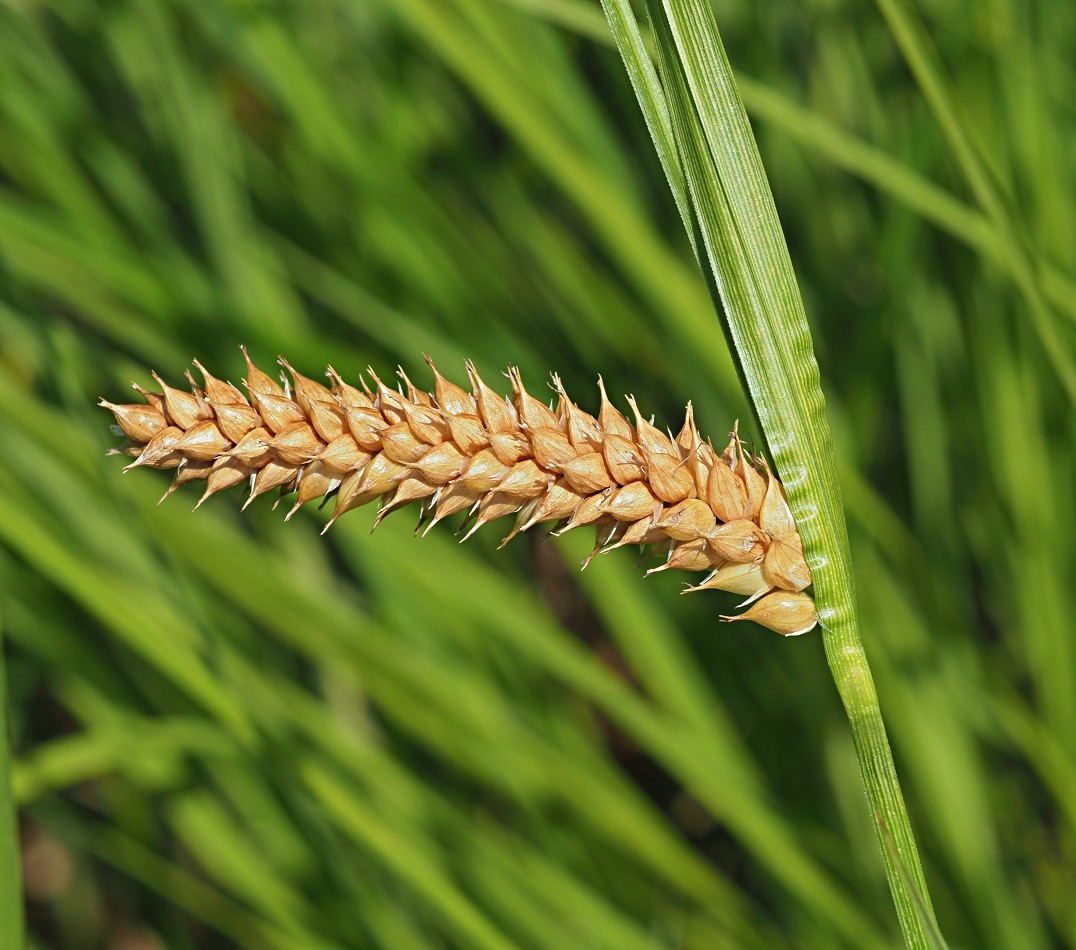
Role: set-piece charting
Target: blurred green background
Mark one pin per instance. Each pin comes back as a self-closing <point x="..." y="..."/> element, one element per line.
<point x="230" y="732"/>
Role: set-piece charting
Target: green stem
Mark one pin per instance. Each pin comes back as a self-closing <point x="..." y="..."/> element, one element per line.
<point x="11" y="920"/>
<point x="852" y="676"/>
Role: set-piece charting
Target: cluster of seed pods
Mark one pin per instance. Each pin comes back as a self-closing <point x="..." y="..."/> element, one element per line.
<point x="475" y="452"/>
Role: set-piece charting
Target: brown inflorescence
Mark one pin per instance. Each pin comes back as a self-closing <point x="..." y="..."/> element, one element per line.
<point x="475" y="452"/>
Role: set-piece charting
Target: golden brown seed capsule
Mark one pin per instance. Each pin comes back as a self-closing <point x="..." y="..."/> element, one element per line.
<point x="611" y="420"/>
<point x="669" y="477"/>
<point x="381" y="474"/>
<point x="450" y="397"/>
<point x="689" y="556"/>
<point x="641" y="532"/>
<point x="737" y="578"/>
<point x="366" y="426"/>
<point x="583" y="430"/>
<point x="348" y="396"/>
<point x="427" y="424"/>
<point x="138" y="423"/>
<point x="468" y="433"/>
<point x="202" y="442"/>
<point x="276" y="412"/>
<point x="754" y="484"/>
<point x="455" y="498"/>
<point x="253" y="449"/>
<point x="441" y="464"/>
<point x="493" y="506"/>
<point x="343" y="455"/>
<point x="349" y="497"/>
<point x="738" y="541"/>
<point x="552" y="448"/>
<point x="159" y="452"/>
<point x="259" y="382"/>
<point x="556" y="504"/>
<point x="497" y="414"/>
<point x="525" y="480"/>
<point x="389" y="402"/>
<point x="272" y="475"/>
<point x="156" y="400"/>
<point x="234" y="419"/>
<point x="623" y="460"/>
<point x="631" y="502"/>
<point x="218" y="392"/>
<point x="590" y="510"/>
<point x="785" y="612"/>
<point x="687" y="440"/>
<point x="224" y="474"/>
<point x="186" y="473"/>
<point x="483" y="472"/>
<point x="327" y="418"/>
<point x="687" y="521"/>
<point x="650" y="438"/>
<point x="726" y="493"/>
<point x="784" y="565"/>
<point x="775" y="516"/>
<point x="306" y="390"/>
<point x="587" y="474"/>
<point x="183" y="409"/>
<point x="510" y="447"/>
<point x="413" y="488"/>
<point x="315" y="481"/>
<point x="398" y="442"/>
<point x="297" y="444"/>
<point x="532" y="413"/>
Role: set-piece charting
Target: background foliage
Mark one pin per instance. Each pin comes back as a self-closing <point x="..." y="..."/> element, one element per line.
<point x="232" y="732"/>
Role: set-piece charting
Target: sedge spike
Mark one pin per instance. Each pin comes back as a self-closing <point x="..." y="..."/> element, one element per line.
<point x="476" y="453"/>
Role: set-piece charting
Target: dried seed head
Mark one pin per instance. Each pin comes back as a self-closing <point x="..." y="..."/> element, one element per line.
<point x="478" y="453"/>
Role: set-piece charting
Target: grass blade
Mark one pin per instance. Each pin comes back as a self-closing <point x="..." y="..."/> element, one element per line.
<point x="765" y="320"/>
